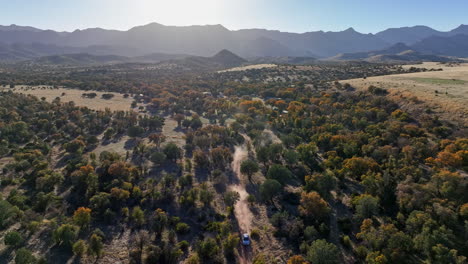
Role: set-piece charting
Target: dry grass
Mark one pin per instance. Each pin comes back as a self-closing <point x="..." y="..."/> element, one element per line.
<point x="172" y="133"/>
<point x="116" y="147"/>
<point x="444" y="92"/>
<point x="117" y="103"/>
<point x="5" y="161"/>
<point x="250" y="67"/>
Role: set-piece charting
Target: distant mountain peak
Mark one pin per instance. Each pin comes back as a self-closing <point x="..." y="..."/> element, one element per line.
<point x="227" y="57"/>
<point x="350" y="29"/>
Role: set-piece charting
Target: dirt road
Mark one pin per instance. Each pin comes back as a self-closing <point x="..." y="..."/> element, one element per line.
<point x="242" y="211"/>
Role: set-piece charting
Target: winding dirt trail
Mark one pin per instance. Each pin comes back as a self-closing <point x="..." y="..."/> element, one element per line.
<point x="242" y="211"/>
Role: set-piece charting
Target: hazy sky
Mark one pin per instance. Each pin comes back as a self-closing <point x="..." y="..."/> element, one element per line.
<point x="286" y="15"/>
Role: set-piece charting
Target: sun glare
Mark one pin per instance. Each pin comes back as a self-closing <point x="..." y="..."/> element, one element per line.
<point x="180" y="12"/>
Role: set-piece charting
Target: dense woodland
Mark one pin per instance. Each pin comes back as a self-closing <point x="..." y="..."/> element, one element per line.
<point x="348" y="176"/>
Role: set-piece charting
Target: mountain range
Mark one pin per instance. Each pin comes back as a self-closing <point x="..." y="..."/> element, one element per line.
<point x="23" y="43"/>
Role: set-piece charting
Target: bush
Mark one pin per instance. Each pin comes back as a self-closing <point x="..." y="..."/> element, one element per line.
<point x="184" y="245"/>
<point x="13" y="239"/>
<point x="107" y="96"/>
<point x="79" y="248"/>
<point x="24" y="256"/>
<point x="322" y="252"/>
<point x="346" y="241"/>
<point x="182" y="228"/>
<point x="255" y="234"/>
<point x="208" y="249"/>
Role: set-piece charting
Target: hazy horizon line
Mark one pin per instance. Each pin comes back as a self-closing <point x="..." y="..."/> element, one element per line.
<point x="230" y="29"/>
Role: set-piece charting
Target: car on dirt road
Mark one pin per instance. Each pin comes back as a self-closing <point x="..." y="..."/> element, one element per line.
<point x="246" y="240"/>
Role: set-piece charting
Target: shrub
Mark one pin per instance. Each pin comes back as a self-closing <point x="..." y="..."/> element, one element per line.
<point x="13" y="238"/>
<point x="79" y="248"/>
<point x="182" y="228"/>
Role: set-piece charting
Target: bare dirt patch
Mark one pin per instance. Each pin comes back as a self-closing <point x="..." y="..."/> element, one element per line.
<point x="116" y="103"/>
<point x="250" y="67"/>
<point x="172" y="132"/>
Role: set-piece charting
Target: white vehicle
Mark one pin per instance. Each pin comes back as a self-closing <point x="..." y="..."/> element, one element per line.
<point x="245" y="240"/>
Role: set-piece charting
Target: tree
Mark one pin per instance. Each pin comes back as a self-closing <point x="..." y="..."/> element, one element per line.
<point x="25" y="256"/>
<point x="442" y="255"/>
<point x="135" y="131"/>
<point x="205" y="195"/>
<point x="230" y="244"/>
<point x="182" y="228"/>
<point x="308" y="154"/>
<point x="313" y="206"/>
<point x="208" y="249"/>
<point x="157" y="138"/>
<point x="95" y="245"/>
<point x="79" y="248"/>
<point x="172" y="151"/>
<point x="13" y="239"/>
<point x="366" y="206"/>
<point x="231" y="198"/>
<point x="357" y="166"/>
<point x="322" y="252"/>
<point x="196" y="123"/>
<point x="75" y="146"/>
<point x="280" y="173"/>
<point x="66" y="235"/>
<point x="201" y="159"/>
<point x="249" y="168"/>
<point x="8" y="213"/>
<point x="323" y="183"/>
<point x="269" y="189"/>
<point x="138" y="216"/>
<point x="158" y="158"/>
<point x="263" y="155"/>
<point x="82" y="216"/>
<point x="179" y="118"/>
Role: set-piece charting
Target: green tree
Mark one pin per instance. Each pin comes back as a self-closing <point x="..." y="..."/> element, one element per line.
<point x="82" y="216"/>
<point x="206" y="195"/>
<point x="172" y="151"/>
<point x="230" y="244"/>
<point x="208" y="249"/>
<point x="269" y="189"/>
<point x="231" y="198"/>
<point x="79" y="248"/>
<point x="322" y="252"/>
<point x="249" y="168"/>
<point x="13" y="239"/>
<point x="280" y="173"/>
<point x="95" y="245"/>
<point x="366" y="206"/>
<point x="138" y="216"/>
<point x="135" y="131"/>
<point x="158" y="158"/>
<point x="66" y="235"/>
<point x="8" y="213"/>
<point x="25" y="256"/>
<point x="308" y="154"/>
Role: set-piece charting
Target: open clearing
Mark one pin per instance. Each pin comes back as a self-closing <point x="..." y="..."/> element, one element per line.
<point x="444" y="92"/>
<point x="117" y="103"/>
<point x="250" y="67"/>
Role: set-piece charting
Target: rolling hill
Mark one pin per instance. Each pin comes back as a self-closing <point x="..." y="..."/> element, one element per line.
<point x="397" y="53"/>
<point x="80" y="59"/>
<point x="221" y="60"/>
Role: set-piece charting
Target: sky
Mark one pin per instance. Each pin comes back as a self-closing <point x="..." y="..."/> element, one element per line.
<point x="366" y="16"/>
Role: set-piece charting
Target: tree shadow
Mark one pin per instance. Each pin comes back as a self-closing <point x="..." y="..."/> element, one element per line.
<point x="201" y="175"/>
